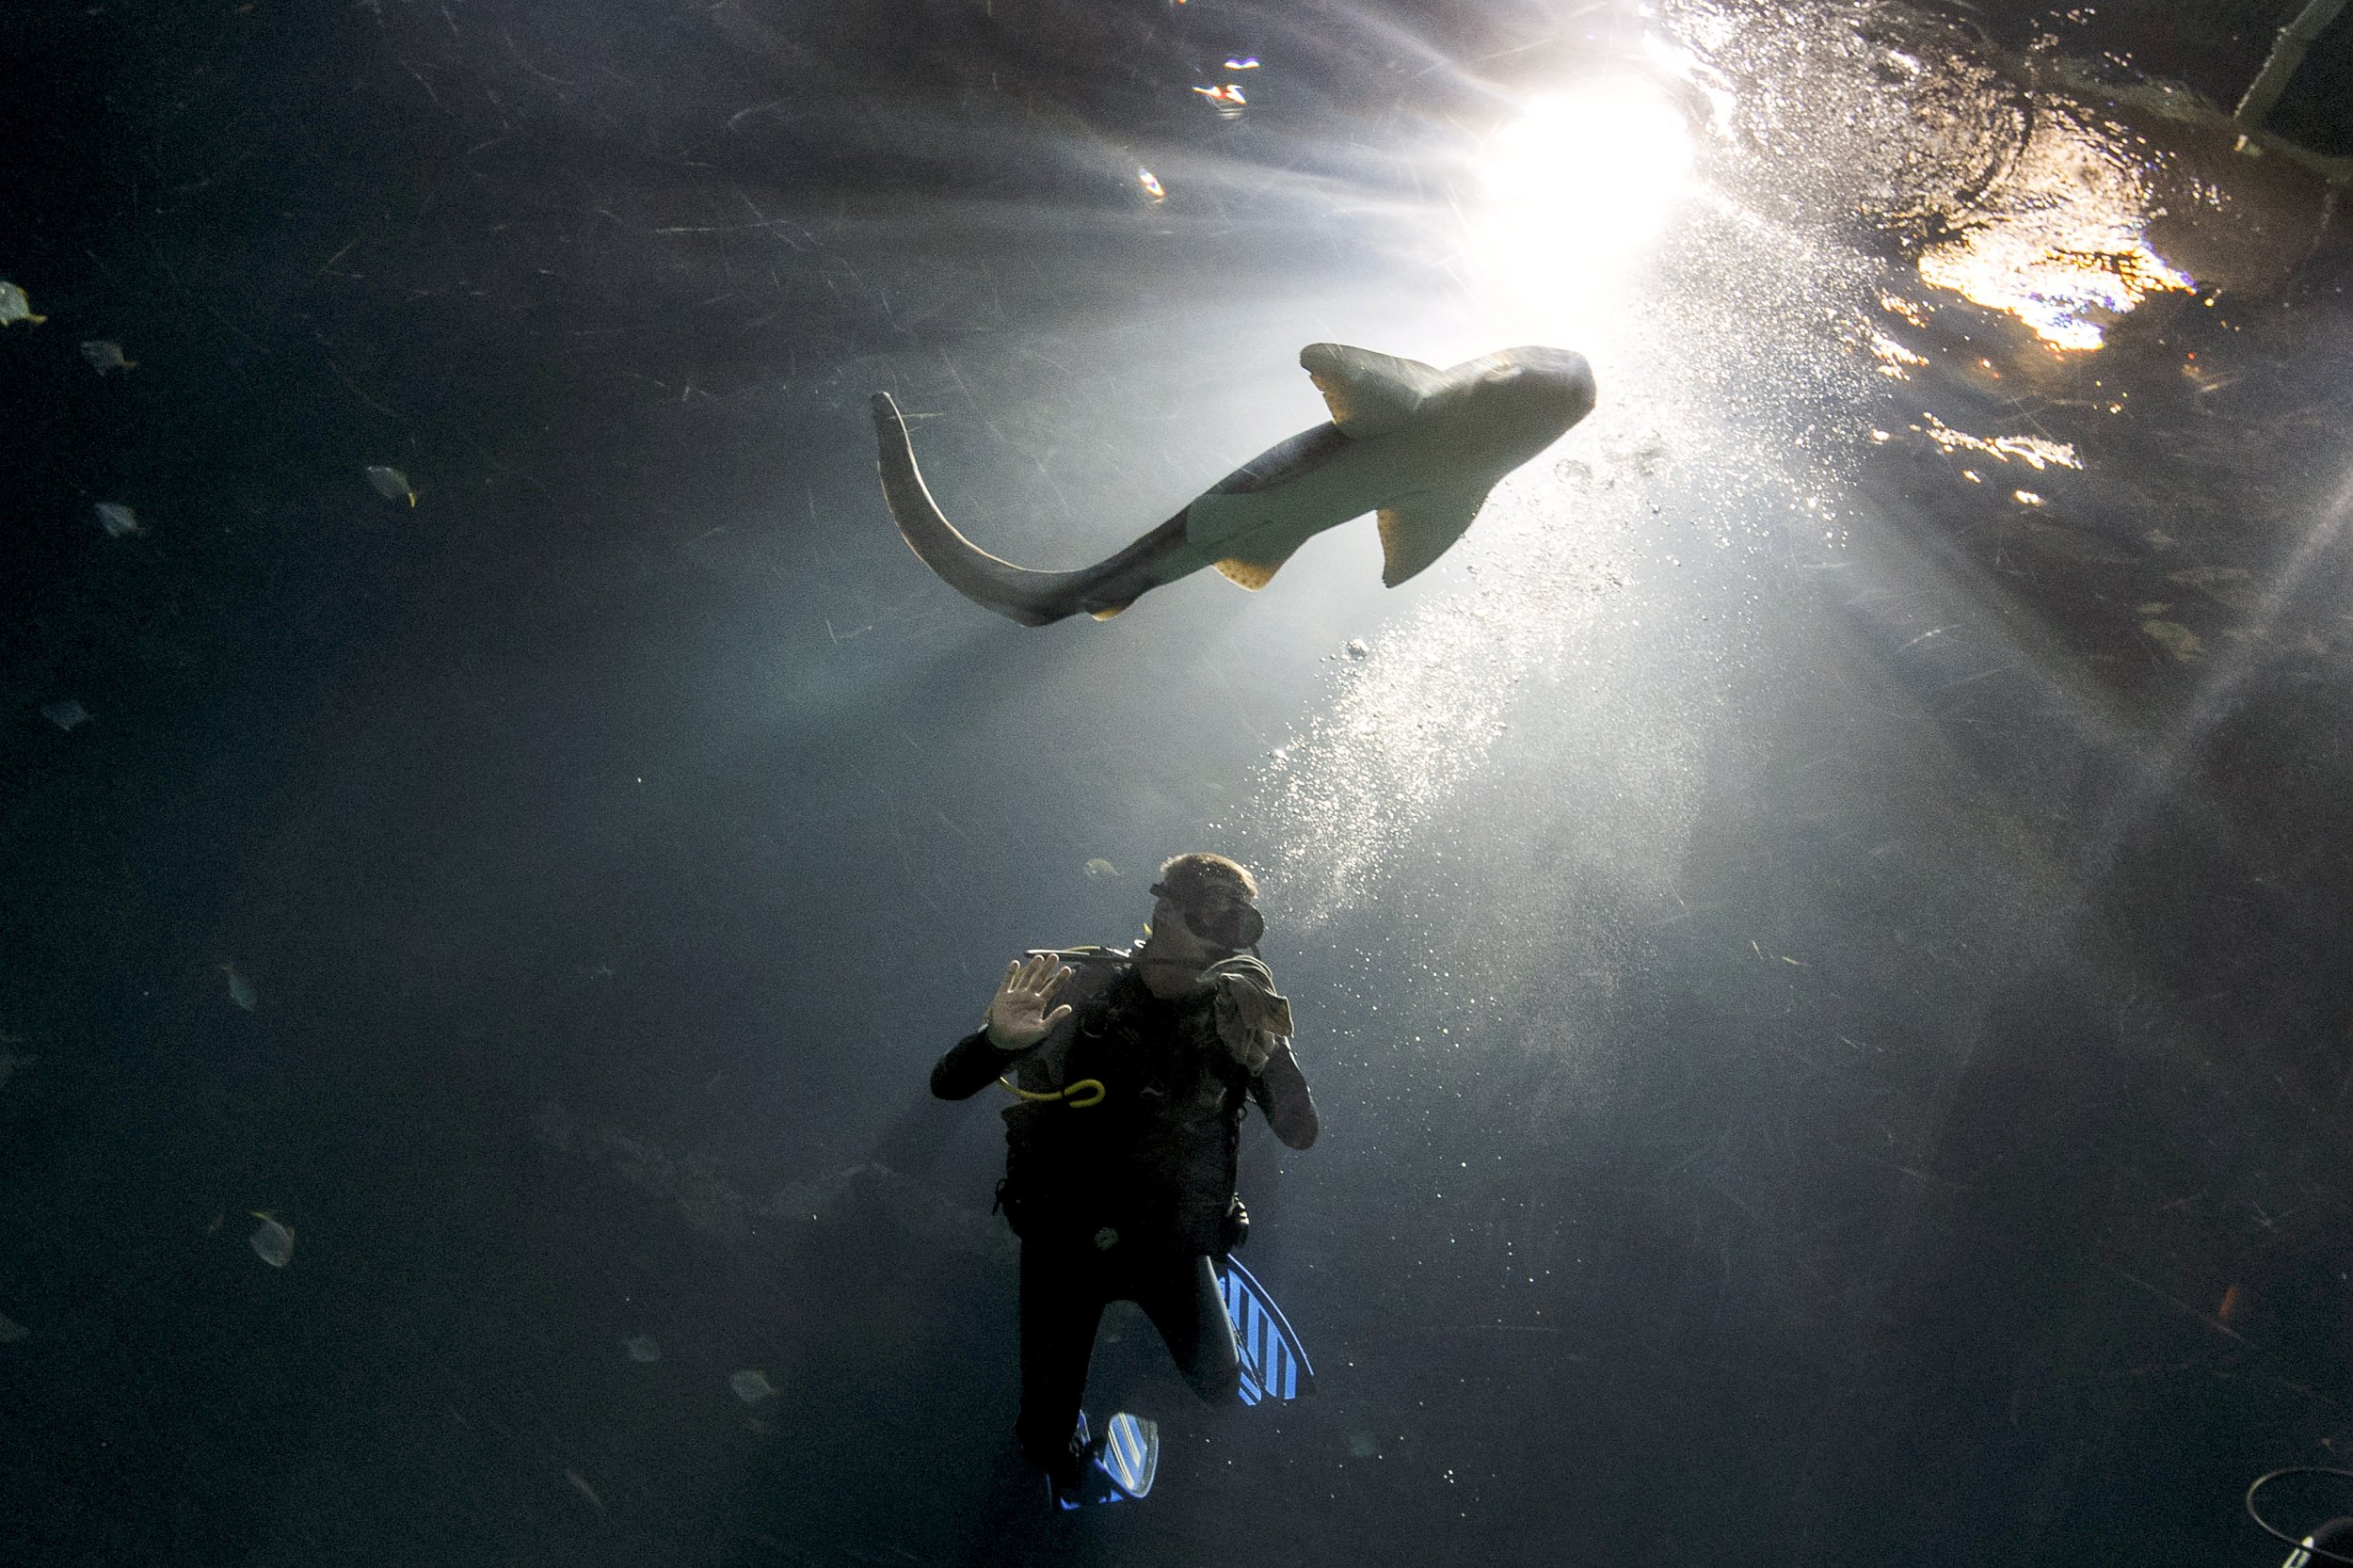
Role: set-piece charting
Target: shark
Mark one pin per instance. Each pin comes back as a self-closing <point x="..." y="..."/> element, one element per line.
<point x="1420" y="446"/>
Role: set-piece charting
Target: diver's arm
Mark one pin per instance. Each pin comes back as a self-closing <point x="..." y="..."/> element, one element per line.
<point x="972" y="1066"/>
<point x="1018" y="1024"/>
<point x="1281" y="1091"/>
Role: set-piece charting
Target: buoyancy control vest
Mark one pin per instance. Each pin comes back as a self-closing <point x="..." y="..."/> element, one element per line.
<point x="1148" y="1163"/>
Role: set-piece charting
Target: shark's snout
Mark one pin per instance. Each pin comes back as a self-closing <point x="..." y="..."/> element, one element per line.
<point x="1531" y="394"/>
<point x="1564" y="377"/>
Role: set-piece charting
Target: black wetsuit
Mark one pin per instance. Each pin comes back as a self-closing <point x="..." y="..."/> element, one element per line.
<point x="1128" y="1198"/>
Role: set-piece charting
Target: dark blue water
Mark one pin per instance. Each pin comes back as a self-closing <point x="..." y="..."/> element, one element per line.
<point x="1817" y="929"/>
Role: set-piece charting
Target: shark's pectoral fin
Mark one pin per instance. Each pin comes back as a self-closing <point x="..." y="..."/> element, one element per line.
<point x="1369" y="395"/>
<point x="1417" y="531"/>
<point x="1253" y="575"/>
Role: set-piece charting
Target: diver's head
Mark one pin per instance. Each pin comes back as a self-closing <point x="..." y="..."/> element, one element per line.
<point x="1205" y="909"/>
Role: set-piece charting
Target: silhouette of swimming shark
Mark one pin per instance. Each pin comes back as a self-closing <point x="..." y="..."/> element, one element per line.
<point x="1421" y="446"/>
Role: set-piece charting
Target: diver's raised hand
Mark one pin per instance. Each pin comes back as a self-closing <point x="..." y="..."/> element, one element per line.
<point x="1017" y="1018"/>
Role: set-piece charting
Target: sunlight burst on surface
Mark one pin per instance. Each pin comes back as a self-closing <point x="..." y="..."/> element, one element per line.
<point x="1577" y="189"/>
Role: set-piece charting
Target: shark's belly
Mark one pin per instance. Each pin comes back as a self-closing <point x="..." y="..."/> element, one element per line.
<point x="1267" y="525"/>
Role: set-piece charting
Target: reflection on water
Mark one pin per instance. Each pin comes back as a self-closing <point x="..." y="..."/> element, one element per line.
<point x="2060" y="239"/>
<point x="1831" y="112"/>
<point x="1894" y="358"/>
<point x="2033" y="451"/>
<point x="2017" y="198"/>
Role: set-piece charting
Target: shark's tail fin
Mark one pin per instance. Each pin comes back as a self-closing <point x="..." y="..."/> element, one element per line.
<point x="1016" y="592"/>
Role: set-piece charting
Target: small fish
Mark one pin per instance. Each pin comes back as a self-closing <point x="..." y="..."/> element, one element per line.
<point x="65" y="712"/>
<point x="640" y="1348"/>
<point x="752" y="1388"/>
<point x="105" y="355"/>
<point x="1246" y="62"/>
<point x="585" y="1490"/>
<point x="15" y="307"/>
<point x="1101" y="867"/>
<point x="11" y="1331"/>
<point x="273" y="1243"/>
<point x="391" y="483"/>
<point x="240" y="988"/>
<point x="1152" y="187"/>
<point x="2176" y="639"/>
<point x="117" y="519"/>
<point x="213" y="1229"/>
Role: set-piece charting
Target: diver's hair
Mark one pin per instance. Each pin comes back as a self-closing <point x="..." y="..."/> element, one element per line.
<point x="1199" y="878"/>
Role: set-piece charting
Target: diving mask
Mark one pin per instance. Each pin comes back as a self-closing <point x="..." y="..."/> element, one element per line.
<point x="1229" y="920"/>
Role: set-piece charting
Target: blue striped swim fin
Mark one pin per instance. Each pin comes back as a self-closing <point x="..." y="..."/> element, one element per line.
<point x="1131" y="1453"/>
<point x="1123" y="1465"/>
<point x="1274" y="1364"/>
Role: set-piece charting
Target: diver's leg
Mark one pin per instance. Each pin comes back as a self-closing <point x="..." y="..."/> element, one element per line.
<point x="1185" y="1304"/>
<point x="1062" y="1305"/>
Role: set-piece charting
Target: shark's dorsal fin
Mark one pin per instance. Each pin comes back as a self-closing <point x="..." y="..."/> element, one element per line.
<point x="1416" y="532"/>
<point x="1369" y="395"/>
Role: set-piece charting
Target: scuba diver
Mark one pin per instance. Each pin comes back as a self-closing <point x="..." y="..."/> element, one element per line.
<point x="1121" y="1149"/>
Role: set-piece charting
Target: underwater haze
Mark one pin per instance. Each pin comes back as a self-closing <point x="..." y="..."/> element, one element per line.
<point x="1818" y="929"/>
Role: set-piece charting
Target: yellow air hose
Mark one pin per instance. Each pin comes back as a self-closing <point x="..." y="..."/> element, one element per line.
<point x="1070" y="1096"/>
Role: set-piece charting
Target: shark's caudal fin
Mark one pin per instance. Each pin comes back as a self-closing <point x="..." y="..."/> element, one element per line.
<point x="1028" y="597"/>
